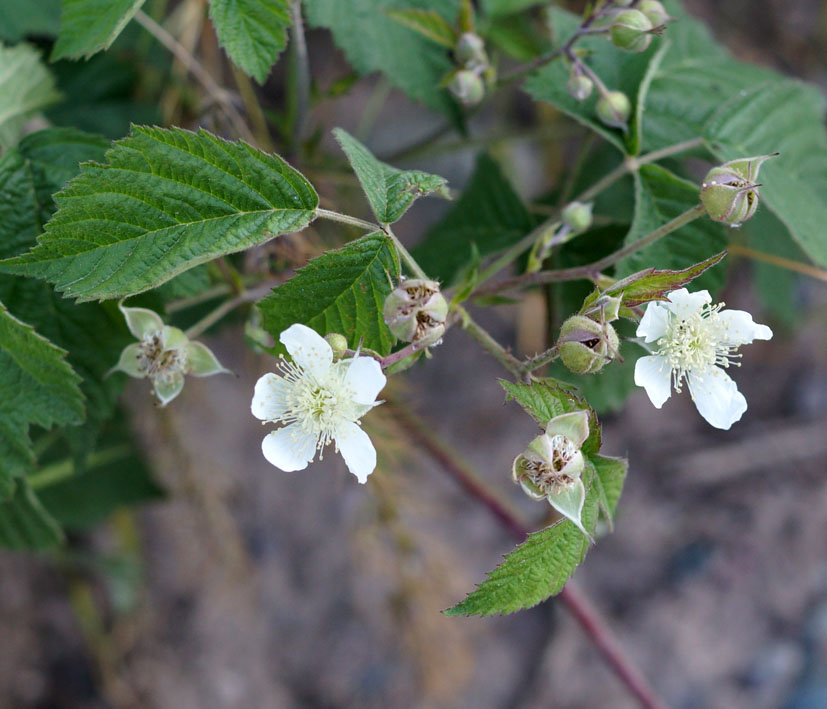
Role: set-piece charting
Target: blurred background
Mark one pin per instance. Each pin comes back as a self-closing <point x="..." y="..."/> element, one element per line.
<point x="249" y="587"/>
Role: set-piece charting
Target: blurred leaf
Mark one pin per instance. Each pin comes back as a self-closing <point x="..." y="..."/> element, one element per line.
<point x="39" y="387"/>
<point x="495" y="8"/>
<point x="21" y="18"/>
<point x="341" y="291"/>
<point x="24" y="523"/>
<point x="253" y="32"/>
<point x="488" y="217"/>
<point x="428" y="23"/>
<point x="785" y="117"/>
<point x="26" y="87"/>
<point x="372" y="41"/>
<point x="390" y="191"/>
<point x="89" y="26"/>
<point x="517" y="36"/>
<point x="660" y="197"/>
<point x="168" y="201"/>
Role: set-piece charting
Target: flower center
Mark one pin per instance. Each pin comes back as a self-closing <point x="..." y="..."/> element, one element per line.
<point x="549" y="476"/>
<point x="694" y="344"/>
<point x="158" y="363"/>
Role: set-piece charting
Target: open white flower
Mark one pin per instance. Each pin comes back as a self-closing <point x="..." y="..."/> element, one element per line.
<point x="164" y="354"/>
<point x="319" y="401"/>
<point x="694" y="340"/>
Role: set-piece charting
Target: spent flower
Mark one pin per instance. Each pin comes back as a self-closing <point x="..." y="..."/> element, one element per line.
<point x="415" y="311"/>
<point x="696" y="341"/>
<point x="164" y="354"/>
<point x="318" y="401"/>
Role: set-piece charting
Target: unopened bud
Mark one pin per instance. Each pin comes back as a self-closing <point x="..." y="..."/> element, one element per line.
<point x="338" y="343"/>
<point x="614" y="109"/>
<point x="467" y="87"/>
<point x="578" y="216"/>
<point x="415" y="311"/>
<point x="579" y="86"/>
<point x="470" y="51"/>
<point x="655" y="11"/>
<point x="729" y="192"/>
<point x="631" y="30"/>
<point x="585" y="345"/>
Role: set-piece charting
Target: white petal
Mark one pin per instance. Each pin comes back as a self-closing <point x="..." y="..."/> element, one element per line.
<point x="717" y="397"/>
<point x="141" y="321"/>
<point x="683" y="303"/>
<point x="269" y="397"/>
<point x="654" y="374"/>
<point x="364" y="376"/>
<point x="654" y="322"/>
<point x="308" y="349"/>
<point x="736" y="327"/>
<point x="569" y="503"/>
<point x="167" y="389"/>
<point x="357" y="450"/>
<point x="289" y="448"/>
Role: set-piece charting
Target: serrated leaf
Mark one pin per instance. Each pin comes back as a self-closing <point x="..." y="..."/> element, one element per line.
<point x="660" y="197"/>
<point x="542" y="565"/>
<point x="372" y="41"/>
<point x="652" y="284"/>
<point x="428" y="23"/>
<point x="253" y="32"/>
<point x="166" y="201"/>
<point x="390" y="191"/>
<point x="89" y="26"/>
<point x="621" y="71"/>
<point x="21" y="18"/>
<point x="789" y="117"/>
<point x="94" y="336"/>
<point x="341" y="291"/>
<point x="25" y="523"/>
<point x="26" y="87"/>
<point x="488" y="217"/>
<point x="38" y="387"/>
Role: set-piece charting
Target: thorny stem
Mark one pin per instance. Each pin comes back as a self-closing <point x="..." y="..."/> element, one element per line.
<point x="488" y="343"/>
<point x="405" y="255"/>
<point x="592" y="623"/>
<point x="226" y="307"/>
<point x="216" y="92"/>
<point x="593" y="270"/>
<point x="541" y="360"/>
<point x="399" y="355"/>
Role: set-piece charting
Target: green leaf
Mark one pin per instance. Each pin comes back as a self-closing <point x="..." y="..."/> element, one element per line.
<point x="488" y="217"/>
<point x="89" y="26"/>
<point x="24" y="523"/>
<point x="253" y="32"/>
<point x="93" y="335"/>
<point x="621" y="71"/>
<point x="428" y="23"/>
<point x="785" y="117"/>
<point x="39" y="387"/>
<point x="26" y="87"/>
<point x="341" y="291"/>
<point x="660" y="197"/>
<point x="166" y="201"/>
<point x="542" y="565"/>
<point x="496" y="8"/>
<point x="651" y="284"/>
<point x="21" y="18"/>
<point x="390" y="191"/>
<point x="372" y="41"/>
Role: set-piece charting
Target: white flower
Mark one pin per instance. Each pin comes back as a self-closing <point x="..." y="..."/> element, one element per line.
<point x="693" y="341"/>
<point x="319" y="401"/>
<point x="164" y="354"/>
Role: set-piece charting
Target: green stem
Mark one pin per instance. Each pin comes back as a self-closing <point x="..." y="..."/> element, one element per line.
<point x="488" y="343"/>
<point x="405" y="255"/>
<point x="248" y="296"/>
<point x="540" y="360"/>
<point x="301" y="73"/>
<point x="592" y="270"/>
<point x="56" y="472"/>
<point x="345" y="219"/>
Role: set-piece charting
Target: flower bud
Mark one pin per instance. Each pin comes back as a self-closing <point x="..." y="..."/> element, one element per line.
<point x="614" y="109"/>
<point x="338" y="343"/>
<point x="415" y="311"/>
<point x="467" y="87"/>
<point x="630" y="30"/>
<point x="655" y="11"/>
<point x="579" y="86"/>
<point x="729" y="192"/>
<point x="578" y="216"/>
<point x="470" y="51"/>
<point x="585" y="345"/>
